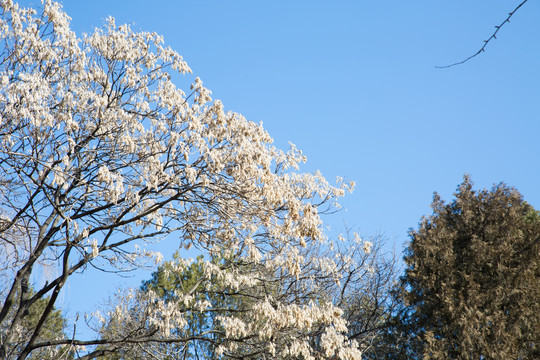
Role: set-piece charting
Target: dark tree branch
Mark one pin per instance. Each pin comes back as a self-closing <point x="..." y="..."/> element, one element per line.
<point x="493" y="36"/>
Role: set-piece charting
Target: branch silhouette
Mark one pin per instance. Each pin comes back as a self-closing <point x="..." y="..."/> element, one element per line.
<point x="493" y="36"/>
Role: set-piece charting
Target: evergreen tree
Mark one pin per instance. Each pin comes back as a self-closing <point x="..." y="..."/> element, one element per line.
<point x="53" y="329"/>
<point x="169" y="283"/>
<point x="472" y="284"/>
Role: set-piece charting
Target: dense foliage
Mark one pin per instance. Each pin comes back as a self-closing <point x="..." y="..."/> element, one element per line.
<point x="359" y="286"/>
<point x="100" y="152"/>
<point x="472" y="283"/>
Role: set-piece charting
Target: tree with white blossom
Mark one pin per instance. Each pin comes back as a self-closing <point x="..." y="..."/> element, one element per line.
<point x="349" y="273"/>
<point x="101" y="151"/>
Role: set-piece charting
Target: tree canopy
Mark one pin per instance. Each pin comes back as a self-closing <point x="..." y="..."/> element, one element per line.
<point x="107" y="143"/>
<point x="472" y="283"/>
<point x="358" y="284"/>
<point x="101" y="151"/>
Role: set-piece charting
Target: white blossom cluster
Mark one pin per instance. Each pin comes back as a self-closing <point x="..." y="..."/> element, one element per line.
<point x="102" y="149"/>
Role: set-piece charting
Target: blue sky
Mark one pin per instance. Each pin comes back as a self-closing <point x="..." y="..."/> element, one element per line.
<point x="354" y="85"/>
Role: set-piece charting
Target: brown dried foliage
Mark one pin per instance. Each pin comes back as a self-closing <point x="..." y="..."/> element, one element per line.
<point x="472" y="282"/>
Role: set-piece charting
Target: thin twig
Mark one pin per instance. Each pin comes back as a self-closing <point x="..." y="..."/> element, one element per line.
<point x="493" y="36"/>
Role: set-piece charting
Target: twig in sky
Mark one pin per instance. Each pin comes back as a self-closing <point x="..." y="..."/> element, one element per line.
<point x="493" y="36"/>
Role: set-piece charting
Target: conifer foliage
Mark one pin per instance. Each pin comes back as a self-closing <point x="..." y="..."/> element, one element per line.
<point x="472" y="283"/>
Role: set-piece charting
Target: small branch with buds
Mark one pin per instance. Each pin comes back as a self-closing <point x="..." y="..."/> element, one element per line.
<point x="493" y="36"/>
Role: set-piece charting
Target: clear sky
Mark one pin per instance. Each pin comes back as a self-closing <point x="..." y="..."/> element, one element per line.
<point x="354" y="85"/>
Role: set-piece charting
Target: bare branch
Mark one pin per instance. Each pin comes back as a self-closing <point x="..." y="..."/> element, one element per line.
<point x="486" y="42"/>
